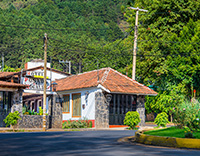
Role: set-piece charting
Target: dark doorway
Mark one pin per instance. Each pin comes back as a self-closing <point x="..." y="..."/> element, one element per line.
<point x="119" y="106"/>
<point x="5" y="106"/>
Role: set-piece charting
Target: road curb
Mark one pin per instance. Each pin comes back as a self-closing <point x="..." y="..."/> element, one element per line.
<point x="125" y="139"/>
<point x="166" y="141"/>
<point x="9" y="130"/>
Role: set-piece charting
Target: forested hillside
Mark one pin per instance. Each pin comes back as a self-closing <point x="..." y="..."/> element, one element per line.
<point x="168" y="51"/>
<point x="99" y="33"/>
<point x="77" y="31"/>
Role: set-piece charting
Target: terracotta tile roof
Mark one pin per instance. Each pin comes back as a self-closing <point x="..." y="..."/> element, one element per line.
<point x="12" y="85"/>
<point x="5" y="74"/>
<point x="109" y="78"/>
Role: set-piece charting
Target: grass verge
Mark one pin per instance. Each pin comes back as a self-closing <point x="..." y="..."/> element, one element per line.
<point x="171" y="132"/>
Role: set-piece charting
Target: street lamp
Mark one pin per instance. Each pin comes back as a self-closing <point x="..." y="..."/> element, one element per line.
<point x="54" y="85"/>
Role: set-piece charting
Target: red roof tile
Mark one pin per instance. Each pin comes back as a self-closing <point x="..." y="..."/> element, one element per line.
<point x="11" y="84"/>
<point x="5" y="74"/>
<point x="109" y="78"/>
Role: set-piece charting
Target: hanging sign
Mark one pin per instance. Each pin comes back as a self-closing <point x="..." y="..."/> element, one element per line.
<point x="35" y="83"/>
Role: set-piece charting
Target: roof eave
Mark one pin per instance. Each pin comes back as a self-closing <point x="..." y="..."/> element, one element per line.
<point x="133" y="93"/>
<point x="103" y="88"/>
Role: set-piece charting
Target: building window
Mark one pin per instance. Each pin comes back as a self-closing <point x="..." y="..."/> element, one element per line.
<point x="5" y="101"/>
<point x="76" y="105"/>
<point x="66" y="104"/>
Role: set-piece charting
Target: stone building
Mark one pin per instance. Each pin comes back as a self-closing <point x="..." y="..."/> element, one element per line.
<point x="29" y="94"/>
<point x="10" y="96"/>
<point x="11" y="99"/>
<point x="102" y="96"/>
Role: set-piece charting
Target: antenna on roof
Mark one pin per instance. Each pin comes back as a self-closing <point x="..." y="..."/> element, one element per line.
<point x="65" y="62"/>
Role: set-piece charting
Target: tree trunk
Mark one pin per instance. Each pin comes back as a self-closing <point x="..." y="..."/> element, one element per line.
<point x="171" y="118"/>
<point x="13" y="128"/>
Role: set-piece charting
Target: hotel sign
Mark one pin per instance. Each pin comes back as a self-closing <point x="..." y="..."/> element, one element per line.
<point x="36" y="83"/>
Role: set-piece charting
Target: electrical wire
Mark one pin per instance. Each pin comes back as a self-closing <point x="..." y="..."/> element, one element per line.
<point x="62" y="29"/>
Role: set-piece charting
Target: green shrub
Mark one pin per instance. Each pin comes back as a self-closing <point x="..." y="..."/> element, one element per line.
<point x="187" y="114"/>
<point x="161" y="119"/>
<point x="40" y="111"/>
<point x="90" y="124"/>
<point x="76" y="124"/>
<point x="23" y="110"/>
<point x="12" y="119"/>
<point x="66" y="124"/>
<point x="188" y="132"/>
<point x="132" y="119"/>
<point x="189" y="135"/>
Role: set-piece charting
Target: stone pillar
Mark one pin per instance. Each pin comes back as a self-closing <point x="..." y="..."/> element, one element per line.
<point x="140" y="108"/>
<point x="55" y="112"/>
<point x="101" y="111"/>
<point x="17" y="102"/>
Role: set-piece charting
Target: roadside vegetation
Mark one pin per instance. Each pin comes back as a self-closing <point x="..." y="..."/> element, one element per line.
<point x="12" y="119"/>
<point x="173" y="132"/>
<point x="77" y="124"/>
<point x="132" y="119"/>
<point x="186" y="117"/>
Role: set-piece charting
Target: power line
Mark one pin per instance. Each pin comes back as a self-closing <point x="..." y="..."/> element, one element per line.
<point x="170" y="11"/>
<point x="67" y="49"/>
<point x="140" y="55"/>
<point x="124" y="37"/>
<point x="62" y="29"/>
<point x="169" y="42"/>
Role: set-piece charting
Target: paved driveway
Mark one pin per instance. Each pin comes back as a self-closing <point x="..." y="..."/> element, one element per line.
<point x="87" y="143"/>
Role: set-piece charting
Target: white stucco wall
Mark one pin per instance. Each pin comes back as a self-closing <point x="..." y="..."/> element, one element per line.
<point x="51" y="74"/>
<point x="36" y="64"/>
<point x="55" y="75"/>
<point x="89" y="102"/>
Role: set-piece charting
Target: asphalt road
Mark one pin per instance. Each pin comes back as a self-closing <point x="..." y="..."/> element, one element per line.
<point x="87" y="143"/>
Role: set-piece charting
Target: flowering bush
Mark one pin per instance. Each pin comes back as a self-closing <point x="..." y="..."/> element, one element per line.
<point x="161" y="119"/>
<point x="77" y="124"/>
<point x="188" y="114"/>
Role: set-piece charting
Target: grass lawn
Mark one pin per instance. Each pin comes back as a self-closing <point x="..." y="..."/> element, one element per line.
<point x="171" y="132"/>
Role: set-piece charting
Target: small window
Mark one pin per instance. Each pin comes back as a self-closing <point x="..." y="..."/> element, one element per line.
<point x="76" y="105"/>
<point x="66" y="104"/>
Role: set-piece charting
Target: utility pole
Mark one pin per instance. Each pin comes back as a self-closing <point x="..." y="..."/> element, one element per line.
<point x="2" y="62"/>
<point x="135" y="39"/>
<point x="45" y="79"/>
<point x="69" y="67"/>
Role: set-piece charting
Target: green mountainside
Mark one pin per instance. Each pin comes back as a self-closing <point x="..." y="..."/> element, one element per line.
<point x="100" y="33"/>
<point x="75" y="28"/>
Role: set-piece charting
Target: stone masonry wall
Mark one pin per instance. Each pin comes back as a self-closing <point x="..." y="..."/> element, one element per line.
<point x="101" y="111"/>
<point x="32" y="121"/>
<point x="54" y="117"/>
<point x="140" y="108"/>
<point x="17" y="101"/>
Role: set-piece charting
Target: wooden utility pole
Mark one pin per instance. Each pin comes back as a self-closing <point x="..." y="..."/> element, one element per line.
<point x="135" y="39"/>
<point x="69" y="67"/>
<point x="2" y="62"/>
<point x="45" y="85"/>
